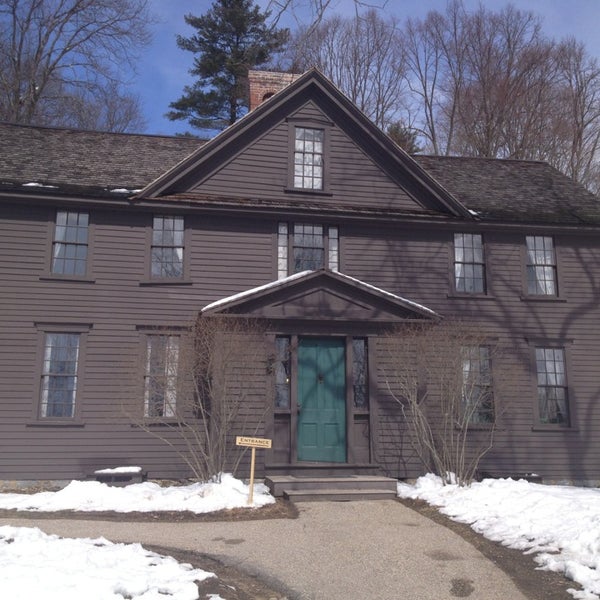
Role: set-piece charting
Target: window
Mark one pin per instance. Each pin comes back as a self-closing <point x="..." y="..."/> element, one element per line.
<point x="553" y="400"/>
<point x="308" y="158"/>
<point x="469" y="272"/>
<point x="360" y="373"/>
<point x="70" y="245"/>
<point x="282" y="372"/>
<point x="310" y="247"/>
<point x="167" y="247"/>
<point x="160" y="380"/>
<point x="541" y="265"/>
<point x="59" y="374"/>
<point x="477" y="394"/>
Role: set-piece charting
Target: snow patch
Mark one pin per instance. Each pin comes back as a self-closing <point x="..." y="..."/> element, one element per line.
<point x="560" y="524"/>
<point x="275" y="284"/>
<point x="123" y="191"/>
<point x="36" y="565"/>
<point x="90" y="496"/>
<point x="118" y="470"/>
<point x="40" y="185"/>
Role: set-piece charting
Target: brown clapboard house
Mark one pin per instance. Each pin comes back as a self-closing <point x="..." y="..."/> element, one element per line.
<point x="305" y="214"/>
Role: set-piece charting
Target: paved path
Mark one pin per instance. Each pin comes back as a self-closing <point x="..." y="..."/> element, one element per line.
<point x="376" y="550"/>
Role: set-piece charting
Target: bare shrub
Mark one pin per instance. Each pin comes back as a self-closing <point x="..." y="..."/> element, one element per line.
<point x="210" y="390"/>
<point x="441" y="376"/>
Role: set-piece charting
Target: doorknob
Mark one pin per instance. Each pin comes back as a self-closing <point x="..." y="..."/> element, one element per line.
<point x="320" y="378"/>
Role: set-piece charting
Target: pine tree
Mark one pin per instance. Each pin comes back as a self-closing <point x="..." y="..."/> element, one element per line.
<point x="231" y="38"/>
<point x="405" y="137"/>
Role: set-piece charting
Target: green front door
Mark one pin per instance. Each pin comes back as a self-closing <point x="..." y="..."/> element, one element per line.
<point x="321" y="400"/>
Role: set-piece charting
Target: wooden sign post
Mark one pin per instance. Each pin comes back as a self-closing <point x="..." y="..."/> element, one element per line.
<point x="253" y="443"/>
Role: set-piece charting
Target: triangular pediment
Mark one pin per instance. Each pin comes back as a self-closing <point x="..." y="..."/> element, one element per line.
<point x="321" y="296"/>
<point x="250" y="159"/>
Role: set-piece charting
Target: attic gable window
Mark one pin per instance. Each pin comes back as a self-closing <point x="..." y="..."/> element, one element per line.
<point x="308" y="158"/>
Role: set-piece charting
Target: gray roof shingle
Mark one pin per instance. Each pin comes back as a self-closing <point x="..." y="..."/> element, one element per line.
<point x="92" y="162"/>
<point x="514" y="190"/>
<point x="87" y="158"/>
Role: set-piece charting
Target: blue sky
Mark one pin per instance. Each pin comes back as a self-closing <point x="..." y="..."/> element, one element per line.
<point x="163" y="67"/>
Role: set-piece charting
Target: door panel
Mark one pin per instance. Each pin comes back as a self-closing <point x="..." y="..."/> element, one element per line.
<point x="321" y="400"/>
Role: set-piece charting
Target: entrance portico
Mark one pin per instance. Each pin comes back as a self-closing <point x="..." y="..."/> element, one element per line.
<point x="323" y="328"/>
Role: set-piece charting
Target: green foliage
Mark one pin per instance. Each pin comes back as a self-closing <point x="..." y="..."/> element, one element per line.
<point x="405" y="137"/>
<point x="231" y="38"/>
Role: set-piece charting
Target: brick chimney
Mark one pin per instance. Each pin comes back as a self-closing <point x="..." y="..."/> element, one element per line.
<point x="263" y="84"/>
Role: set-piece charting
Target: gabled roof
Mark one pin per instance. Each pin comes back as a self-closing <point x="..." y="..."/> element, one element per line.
<point x="312" y="86"/>
<point x="91" y="163"/>
<point x="331" y="294"/>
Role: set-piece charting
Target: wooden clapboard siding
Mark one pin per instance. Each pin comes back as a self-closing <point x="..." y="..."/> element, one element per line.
<point x="415" y="263"/>
<point x="353" y="178"/>
<point x="116" y="302"/>
<point x="517" y="324"/>
<point x="228" y="255"/>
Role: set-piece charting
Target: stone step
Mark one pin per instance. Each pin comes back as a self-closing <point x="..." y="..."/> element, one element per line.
<point x="338" y="495"/>
<point x="278" y="483"/>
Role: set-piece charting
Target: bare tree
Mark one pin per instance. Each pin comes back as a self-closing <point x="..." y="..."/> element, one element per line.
<point x="491" y="84"/>
<point x="361" y="55"/>
<point x="578" y="126"/>
<point x="102" y="109"/>
<point x="434" y="74"/>
<point x="202" y="389"/>
<point x="310" y="13"/>
<point x="55" y="51"/>
<point x="509" y="74"/>
<point x="440" y="375"/>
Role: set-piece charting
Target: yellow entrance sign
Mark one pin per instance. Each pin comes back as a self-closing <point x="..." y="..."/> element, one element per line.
<point x="254" y="443"/>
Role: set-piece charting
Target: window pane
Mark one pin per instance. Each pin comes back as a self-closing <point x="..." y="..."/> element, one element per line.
<point x="552" y="386"/>
<point x="282" y="250"/>
<point x="282" y="372"/>
<point x="477" y="392"/>
<point x="541" y="265"/>
<point x="360" y="371"/>
<point x="308" y="247"/>
<point x="167" y="247"/>
<point x="69" y="251"/>
<point x="469" y="266"/>
<point x="308" y="158"/>
<point x="334" y="258"/>
<point x="160" y="381"/>
<point x="59" y="374"/>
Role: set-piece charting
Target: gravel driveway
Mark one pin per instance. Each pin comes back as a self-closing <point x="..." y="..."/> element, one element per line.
<point x="371" y="550"/>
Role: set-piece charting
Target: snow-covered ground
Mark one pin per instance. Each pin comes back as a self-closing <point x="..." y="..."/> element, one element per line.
<point x="559" y="524"/>
<point x="35" y="565"/>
